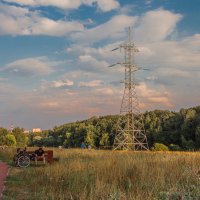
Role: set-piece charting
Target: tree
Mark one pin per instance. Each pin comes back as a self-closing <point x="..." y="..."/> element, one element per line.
<point x="10" y="140"/>
<point x="104" y="139"/>
<point x="197" y="137"/>
<point x="162" y="126"/>
<point x="89" y="140"/>
<point x="21" y="137"/>
<point x="174" y="147"/>
<point x="68" y="140"/>
<point x="3" y="133"/>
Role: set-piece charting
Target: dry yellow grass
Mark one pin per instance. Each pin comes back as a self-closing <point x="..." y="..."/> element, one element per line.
<point x="108" y="175"/>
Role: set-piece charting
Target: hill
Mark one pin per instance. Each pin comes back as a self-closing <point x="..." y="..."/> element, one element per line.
<point x="177" y="130"/>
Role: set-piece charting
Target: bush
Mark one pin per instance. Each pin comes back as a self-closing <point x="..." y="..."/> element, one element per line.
<point x="174" y="147"/>
<point x="159" y="147"/>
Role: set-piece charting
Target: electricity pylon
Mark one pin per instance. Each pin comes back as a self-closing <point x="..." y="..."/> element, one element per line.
<point x="130" y="127"/>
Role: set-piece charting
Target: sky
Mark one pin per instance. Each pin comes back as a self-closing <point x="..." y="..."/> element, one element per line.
<point x="54" y="58"/>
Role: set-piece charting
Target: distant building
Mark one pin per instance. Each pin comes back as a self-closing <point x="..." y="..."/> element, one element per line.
<point x="26" y="131"/>
<point x="37" y="130"/>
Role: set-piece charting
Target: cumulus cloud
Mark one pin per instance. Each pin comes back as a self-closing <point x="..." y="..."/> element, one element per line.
<point x="152" y="98"/>
<point x="171" y="61"/>
<point x="106" y="5"/>
<point x="93" y="83"/>
<point x="100" y="53"/>
<point x="22" y="21"/>
<point x="150" y="34"/>
<point x="87" y="81"/>
<point x="156" y="25"/>
<point x="62" y="83"/>
<point x="49" y="105"/>
<point x="114" y="28"/>
<point x="31" y="66"/>
<point x="171" y="53"/>
<point x="173" y="73"/>
<point x="103" y="5"/>
<point x="89" y="63"/>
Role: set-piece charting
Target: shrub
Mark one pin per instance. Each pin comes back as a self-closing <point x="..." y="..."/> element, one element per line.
<point x="174" y="147"/>
<point x="159" y="147"/>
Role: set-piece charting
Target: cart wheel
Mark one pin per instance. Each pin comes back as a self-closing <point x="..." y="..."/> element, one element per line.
<point x="23" y="161"/>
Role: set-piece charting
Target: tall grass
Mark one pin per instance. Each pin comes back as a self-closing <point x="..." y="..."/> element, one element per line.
<point x="108" y="175"/>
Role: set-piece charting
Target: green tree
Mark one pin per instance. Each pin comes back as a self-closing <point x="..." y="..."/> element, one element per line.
<point x="174" y="147"/>
<point x="89" y="139"/>
<point x="10" y="140"/>
<point x="21" y="137"/>
<point x="68" y="140"/>
<point x="197" y="137"/>
<point x="104" y="139"/>
<point x="3" y="133"/>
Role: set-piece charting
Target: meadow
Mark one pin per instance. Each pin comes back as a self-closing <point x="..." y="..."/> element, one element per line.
<point x="106" y="175"/>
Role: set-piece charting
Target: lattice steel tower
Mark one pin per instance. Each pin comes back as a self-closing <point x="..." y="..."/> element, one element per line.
<point x="130" y="127"/>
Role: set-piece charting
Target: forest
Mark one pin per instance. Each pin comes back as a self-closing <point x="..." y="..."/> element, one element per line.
<point x="169" y="129"/>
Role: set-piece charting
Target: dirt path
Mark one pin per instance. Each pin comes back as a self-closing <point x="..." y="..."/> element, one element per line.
<point x="3" y="174"/>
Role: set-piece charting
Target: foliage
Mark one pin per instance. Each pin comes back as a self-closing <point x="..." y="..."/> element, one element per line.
<point x="15" y="138"/>
<point x="10" y="140"/>
<point x="3" y="133"/>
<point x="182" y="129"/>
<point x="177" y="130"/>
<point x="174" y="147"/>
<point x="21" y="137"/>
<point x="159" y="147"/>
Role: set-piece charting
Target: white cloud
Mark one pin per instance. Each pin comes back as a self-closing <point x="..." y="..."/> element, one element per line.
<point x="148" y="2"/>
<point x="107" y="5"/>
<point x="93" y="83"/>
<point x="31" y="66"/>
<point x="62" y="83"/>
<point x="103" y="53"/>
<point x="173" y="73"/>
<point x="105" y="91"/>
<point x="54" y="28"/>
<point x="114" y="28"/>
<point x="22" y="21"/>
<point x="87" y="80"/>
<point x="180" y="55"/>
<point x="103" y="5"/>
<point x="49" y="105"/>
<point x="126" y="9"/>
<point x="170" y="60"/>
<point x="89" y="63"/>
<point x="152" y="98"/>
<point x="156" y="25"/>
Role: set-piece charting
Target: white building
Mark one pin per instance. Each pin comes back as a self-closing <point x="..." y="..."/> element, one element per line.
<point x="37" y="130"/>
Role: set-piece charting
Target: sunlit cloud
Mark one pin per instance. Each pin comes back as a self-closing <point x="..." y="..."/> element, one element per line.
<point x="62" y="83"/>
<point x="31" y="66"/>
<point x="103" y="5"/>
<point x="93" y="83"/>
<point x="82" y="84"/>
<point x="22" y="21"/>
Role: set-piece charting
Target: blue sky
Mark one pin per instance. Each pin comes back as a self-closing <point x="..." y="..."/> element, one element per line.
<point x="54" y="57"/>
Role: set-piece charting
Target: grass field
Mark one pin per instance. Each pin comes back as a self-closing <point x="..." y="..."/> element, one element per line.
<point x="107" y="175"/>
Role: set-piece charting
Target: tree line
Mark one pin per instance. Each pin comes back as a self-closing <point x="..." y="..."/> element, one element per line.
<point x="175" y="130"/>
